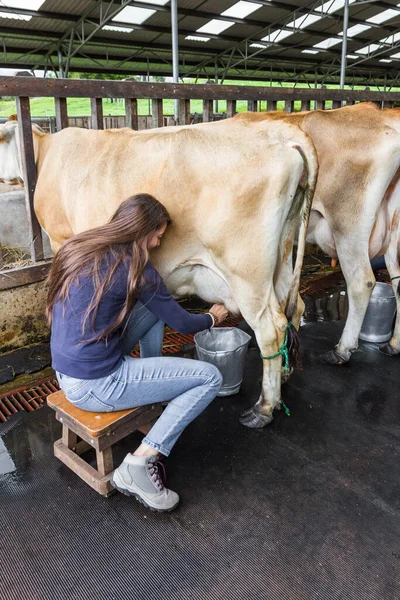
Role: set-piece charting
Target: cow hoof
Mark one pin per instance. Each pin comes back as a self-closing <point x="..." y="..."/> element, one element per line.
<point x="253" y="419"/>
<point x="332" y="358"/>
<point x="388" y="350"/>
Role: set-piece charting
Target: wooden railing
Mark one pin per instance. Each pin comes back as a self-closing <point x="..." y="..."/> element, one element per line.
<point x="257" y="98"/>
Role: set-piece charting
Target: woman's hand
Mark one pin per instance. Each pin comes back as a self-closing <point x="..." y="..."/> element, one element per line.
<point x="219" y="313"/>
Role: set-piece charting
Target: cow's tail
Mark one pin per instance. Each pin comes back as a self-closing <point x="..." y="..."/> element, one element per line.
<point x="398" y="262"/>
<point x="311" y="171"/>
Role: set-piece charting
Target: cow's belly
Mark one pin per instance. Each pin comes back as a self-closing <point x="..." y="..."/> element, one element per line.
<point x="380" y="236"/>
<point x="202" y="281"/>
<point x="320" y="233"/>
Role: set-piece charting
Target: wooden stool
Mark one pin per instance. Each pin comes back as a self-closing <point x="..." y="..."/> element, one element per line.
<point x="99" y="431"/>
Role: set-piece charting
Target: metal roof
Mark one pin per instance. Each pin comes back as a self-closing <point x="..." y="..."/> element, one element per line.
<point x="296" y="40"/>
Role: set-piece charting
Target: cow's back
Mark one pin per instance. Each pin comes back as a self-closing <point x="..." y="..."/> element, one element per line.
<point x="85" y="174"/>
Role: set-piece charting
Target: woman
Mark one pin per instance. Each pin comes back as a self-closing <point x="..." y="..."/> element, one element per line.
<point x="105" y="296"/>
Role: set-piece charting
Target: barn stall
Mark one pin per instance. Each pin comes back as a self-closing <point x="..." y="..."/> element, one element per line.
<point x="305" y="508"/>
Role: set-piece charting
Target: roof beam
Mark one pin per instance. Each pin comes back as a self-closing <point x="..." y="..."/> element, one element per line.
<point x="187" y="12"/>
<point x="183" y="32"/>
<point x="277" y="74"/>
<point x="263" y="55"/>
<point x="204" y="15"/>
<point x="137" y="60"/>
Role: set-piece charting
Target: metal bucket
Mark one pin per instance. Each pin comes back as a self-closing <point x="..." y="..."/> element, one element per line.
<point x="379" y="318"/>
<point x="226" y="348"/>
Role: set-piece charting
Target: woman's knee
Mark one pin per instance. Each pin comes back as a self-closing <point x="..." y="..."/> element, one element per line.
<point x="214" y="376"/>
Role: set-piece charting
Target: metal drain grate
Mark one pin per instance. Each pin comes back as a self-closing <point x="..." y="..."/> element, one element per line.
<point x="31" y="398"/>
<point x="26" y="398"/>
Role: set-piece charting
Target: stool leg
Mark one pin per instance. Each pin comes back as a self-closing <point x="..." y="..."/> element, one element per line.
<point x="105" y="463"/>
<point x="69" y="438"/>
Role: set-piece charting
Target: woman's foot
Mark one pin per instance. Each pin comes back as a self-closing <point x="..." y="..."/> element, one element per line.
<point x="140" y="476"/>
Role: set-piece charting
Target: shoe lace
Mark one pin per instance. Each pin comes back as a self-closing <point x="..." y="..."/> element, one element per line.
<point x="157" y="473"/>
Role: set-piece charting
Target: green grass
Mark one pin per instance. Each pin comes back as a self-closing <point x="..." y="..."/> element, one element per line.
<point x="79" y="107"/>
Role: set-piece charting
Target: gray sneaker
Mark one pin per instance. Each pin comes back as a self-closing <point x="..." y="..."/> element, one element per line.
<point x="139" y="476"/>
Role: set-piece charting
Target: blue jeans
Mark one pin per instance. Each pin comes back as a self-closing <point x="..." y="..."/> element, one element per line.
<point x="187" y="385"/>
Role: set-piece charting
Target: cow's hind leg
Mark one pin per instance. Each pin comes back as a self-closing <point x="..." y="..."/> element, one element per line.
<point x="392" y="259"/>
<point x="265" y="317"/>
<point x="360" y="282"/>
<point x="261" y="413"/>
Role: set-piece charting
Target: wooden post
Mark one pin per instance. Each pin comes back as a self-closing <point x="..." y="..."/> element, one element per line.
<point x="131" y="113"/>
<point x="305" y="105"/>
<point x="336" y="104"/>
<point x="184" y="112"/>
<point x="271" y="105"/>
<point x="61" y="113"/>
<point x="289" y="106"/>
<point x="230" y="108"/>
<point x="320" y="105"/>
<point x="96" y="107"/>
<point x="207" y="111"/>
<point x="157" y="112"/>
<point x="252" y="105"/>
<point x="29" y="174"/>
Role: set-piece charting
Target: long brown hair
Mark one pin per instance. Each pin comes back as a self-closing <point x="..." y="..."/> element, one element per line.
<point x="123" y="239"/>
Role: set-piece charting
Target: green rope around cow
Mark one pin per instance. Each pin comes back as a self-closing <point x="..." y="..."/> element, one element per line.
<point x="283" y="350"/>
<point x="393" y="278"/>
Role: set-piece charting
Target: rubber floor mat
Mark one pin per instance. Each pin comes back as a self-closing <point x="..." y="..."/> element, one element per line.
<point x="306" y="509"/>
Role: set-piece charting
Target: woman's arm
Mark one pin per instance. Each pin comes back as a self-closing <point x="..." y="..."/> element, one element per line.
<point x="157" y="298"/>
<point x="168" y="310"/>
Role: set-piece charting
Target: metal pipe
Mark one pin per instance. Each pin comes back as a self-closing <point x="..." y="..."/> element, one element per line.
<point x="60" y="65"/>
<point x="344" y="44"/>
<point x="175" y="52"/>
<point x="216" y="82"/>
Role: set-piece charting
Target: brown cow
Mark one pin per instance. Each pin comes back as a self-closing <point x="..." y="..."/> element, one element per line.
<point x="356" y="209"/>
<point x="236" y="195"/>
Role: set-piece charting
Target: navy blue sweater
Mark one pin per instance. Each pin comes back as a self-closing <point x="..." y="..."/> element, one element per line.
<point x="73" y="355"/>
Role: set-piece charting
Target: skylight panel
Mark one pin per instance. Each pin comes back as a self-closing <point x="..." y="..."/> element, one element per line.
<point x="383" y="16"/>
<point x="325" y="44"/>
<point x="397" y="55"/>
<point x="280" y="35"/>
<point x="258" y="45"/>
<point x="134" y="15"/>
<point x="116" y="28"/>
<point x="159" y="2"/>
<point x="277" y="36"/>
<point x="368" y="49"/>
<point x="28" y="4"/>
<point x="15" y="15"/>
<point x="240" y="9"/>
<point x="303" y="21"/>
<point x="332" y="6"/>
<point x="197" y="38"/>
<point x="391" y="39"/>
<point x="310" y="51"/>
<point x="215" y="26"/>
<point x="356" y="29"/>
<point x="31" y="4"/>
<point x="352" y="56"/>
<point x="386" y="60"/>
